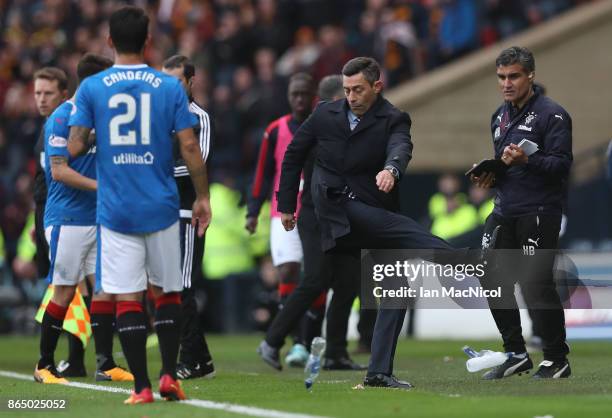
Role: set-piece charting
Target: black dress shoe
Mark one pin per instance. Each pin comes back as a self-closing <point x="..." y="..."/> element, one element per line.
<point x="384" y="381"/>
<point x="270" y="355"/>
<point x="342" y="363"/>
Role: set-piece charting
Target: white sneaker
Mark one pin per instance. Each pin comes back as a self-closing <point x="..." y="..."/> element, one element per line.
<point x="297" y="356"/>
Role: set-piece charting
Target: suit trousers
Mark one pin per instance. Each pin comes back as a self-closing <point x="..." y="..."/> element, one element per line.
<point x="374" y="227"/>
<point x="322" y="271"/>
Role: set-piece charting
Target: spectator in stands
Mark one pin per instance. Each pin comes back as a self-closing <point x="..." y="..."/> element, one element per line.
<point x="482" y="203"/>
<point x="245" y="94"/>
<point x="24" y="265"/>
<point x="267" y="104"/>
<point x="271" y="103"/>
<point x="363" y="40"/>
<point x="502" y="18"/>
<point x="229" y="48"/>
<point x="334" y="51"/>
<point x="270" y="30"/>
<point x="541" y="10"/>
<point x="457" y="32"/>
<point x="302" y="55"/>
<point x="396" y="45"/>
<point x="448" y="185"/>
<point x="227" y="150"/>
<point x="451" y="214"/>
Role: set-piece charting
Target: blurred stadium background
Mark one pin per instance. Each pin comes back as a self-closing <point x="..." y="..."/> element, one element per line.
<point x="438" y="57"/>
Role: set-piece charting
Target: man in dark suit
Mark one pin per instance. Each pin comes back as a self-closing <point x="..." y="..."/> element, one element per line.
<point x="363" y="147"/>
<point x="321" y="272"/>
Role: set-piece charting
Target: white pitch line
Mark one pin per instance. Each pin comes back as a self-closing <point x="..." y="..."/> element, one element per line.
<point x="334" y="382"/>
<point x="200" y="403"/>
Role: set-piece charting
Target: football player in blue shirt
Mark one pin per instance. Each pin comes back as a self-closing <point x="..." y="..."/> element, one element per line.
<point x="70" y="228"/>
<point x="135" y="110"/>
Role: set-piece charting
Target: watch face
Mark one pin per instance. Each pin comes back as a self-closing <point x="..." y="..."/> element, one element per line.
<point x="393" y="171"/>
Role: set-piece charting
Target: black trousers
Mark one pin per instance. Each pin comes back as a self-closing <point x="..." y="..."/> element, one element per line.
<point x="339" y="271"/>
<point x="194" y="348"/>
<point x="42" y="246"/>
<point x="373" y="227"/>
<point x="365" y="326"/>
<point x="535" y="236"/>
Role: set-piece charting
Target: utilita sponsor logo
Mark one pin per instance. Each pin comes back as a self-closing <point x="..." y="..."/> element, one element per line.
<point x="132" y="158"/>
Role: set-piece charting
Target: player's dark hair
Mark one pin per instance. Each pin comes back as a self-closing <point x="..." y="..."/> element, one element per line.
<point x="129" y="27"/>
<point x="516" y="55"/>
<point x="365" y="65"/>
<point x="178" y="61"/>
<point x="330" y="87"/>
<point x="304" y="77"/>
<point x="91" y="64"/>
<point x="53" y="74"/>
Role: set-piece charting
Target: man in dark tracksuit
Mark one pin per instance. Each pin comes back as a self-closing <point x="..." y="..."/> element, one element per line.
<point x="194" y="356"/>
<point x="363" y="146"/>
<point x="321" y="272"/>
<point x="527" y="213"/>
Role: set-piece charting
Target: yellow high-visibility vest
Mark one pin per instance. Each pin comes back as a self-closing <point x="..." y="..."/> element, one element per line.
<point x="227" y="248"/>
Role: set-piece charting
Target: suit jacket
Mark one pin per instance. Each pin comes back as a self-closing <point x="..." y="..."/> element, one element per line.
<point x="346" y="158"/>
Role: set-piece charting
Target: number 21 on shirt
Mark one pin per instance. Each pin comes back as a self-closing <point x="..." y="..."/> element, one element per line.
<point x="116" y="138"/>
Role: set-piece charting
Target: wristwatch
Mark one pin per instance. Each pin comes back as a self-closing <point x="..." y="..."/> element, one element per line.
<point x="394" y="171"/>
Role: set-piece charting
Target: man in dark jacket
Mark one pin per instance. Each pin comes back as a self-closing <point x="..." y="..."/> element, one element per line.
<point x="363" y="147"/>
<point x="195" y="359"/>
<point x="321" y="272"/>
<point x="527" y="214"/>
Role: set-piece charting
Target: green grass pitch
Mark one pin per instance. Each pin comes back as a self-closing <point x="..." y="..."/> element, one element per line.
<point x="443" y="386"/>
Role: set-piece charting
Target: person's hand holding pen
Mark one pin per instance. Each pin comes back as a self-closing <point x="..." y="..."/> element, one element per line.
<point x="514" y="155"/>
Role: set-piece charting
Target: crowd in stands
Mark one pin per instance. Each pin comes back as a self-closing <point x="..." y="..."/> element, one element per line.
<point x="456" y="216"/>
<point x="244" y="51"/>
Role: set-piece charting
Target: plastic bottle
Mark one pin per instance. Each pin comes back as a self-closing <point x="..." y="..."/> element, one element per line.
<point x="313" y="365"/>
<point x="471" y="353"/>
<point x="484" y="359"/>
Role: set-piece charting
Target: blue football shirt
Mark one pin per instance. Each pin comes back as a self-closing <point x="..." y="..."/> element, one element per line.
<point x="66" y="205"/>
<point x="135" y="110"/>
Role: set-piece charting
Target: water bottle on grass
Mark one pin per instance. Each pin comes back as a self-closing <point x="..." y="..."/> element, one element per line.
<point x="483" y="359"/>
<point x="313" y="366"/>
